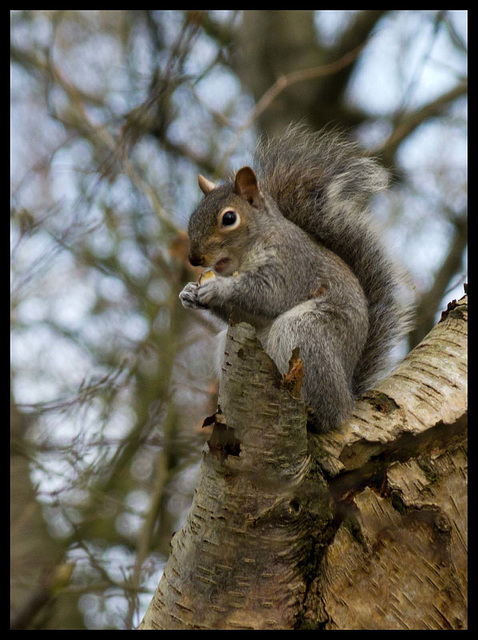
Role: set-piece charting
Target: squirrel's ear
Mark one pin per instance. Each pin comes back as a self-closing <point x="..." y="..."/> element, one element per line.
<point x="246" y="186"/>
<point x="205" y="185"/>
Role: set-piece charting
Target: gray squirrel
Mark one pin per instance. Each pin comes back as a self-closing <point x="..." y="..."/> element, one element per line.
<point x="294" y="254"/>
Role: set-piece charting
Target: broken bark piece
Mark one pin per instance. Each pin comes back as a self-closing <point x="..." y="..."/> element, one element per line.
<point x="293" y="379"/>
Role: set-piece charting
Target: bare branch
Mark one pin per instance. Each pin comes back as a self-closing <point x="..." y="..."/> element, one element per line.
<point x="431" y="300"/>
<point x="412" y="120"/>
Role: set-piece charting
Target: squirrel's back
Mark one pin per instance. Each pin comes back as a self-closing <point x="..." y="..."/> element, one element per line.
<point x="323" y="184"/>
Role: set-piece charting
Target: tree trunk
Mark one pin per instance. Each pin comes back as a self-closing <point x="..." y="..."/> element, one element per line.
<point x="361" y="528"/>
<point x="275" y="43"/>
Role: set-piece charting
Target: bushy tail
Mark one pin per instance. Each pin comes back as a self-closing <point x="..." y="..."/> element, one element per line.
<point x="323" y="184"/>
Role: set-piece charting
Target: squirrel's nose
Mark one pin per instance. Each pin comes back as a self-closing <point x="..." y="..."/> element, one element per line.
<point x="195" y="260"/>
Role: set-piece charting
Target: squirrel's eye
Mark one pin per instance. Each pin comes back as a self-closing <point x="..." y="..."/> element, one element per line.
<point x="229" y="218"/>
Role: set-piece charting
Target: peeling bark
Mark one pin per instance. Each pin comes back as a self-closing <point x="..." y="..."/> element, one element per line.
<point x="361" y="528"/>
<point x="404" y="566"/>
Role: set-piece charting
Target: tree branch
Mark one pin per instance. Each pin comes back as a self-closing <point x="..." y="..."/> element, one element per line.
<point x="412" y="120"/>
<point x="430" y="301"/>
<point x="265" y="543"/>
<point x="355" y="36"/>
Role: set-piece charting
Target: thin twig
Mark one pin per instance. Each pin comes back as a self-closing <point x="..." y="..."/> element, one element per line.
<point x="282" y="83"/>
<point x="311" y="73"/>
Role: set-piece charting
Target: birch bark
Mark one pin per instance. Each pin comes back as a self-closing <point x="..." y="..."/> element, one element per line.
<point x="362" y="528"/>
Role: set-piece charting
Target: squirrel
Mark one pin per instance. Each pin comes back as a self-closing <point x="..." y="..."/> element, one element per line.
<point x="295" y="255"/>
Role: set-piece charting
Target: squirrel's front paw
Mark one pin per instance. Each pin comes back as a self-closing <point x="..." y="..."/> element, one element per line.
<point x="189" y="296"/>
<point x="213" y="292"/>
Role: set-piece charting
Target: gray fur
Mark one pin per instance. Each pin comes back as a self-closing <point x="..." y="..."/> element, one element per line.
<point x="311" y="271"/>
<point x="321" y="183"/>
